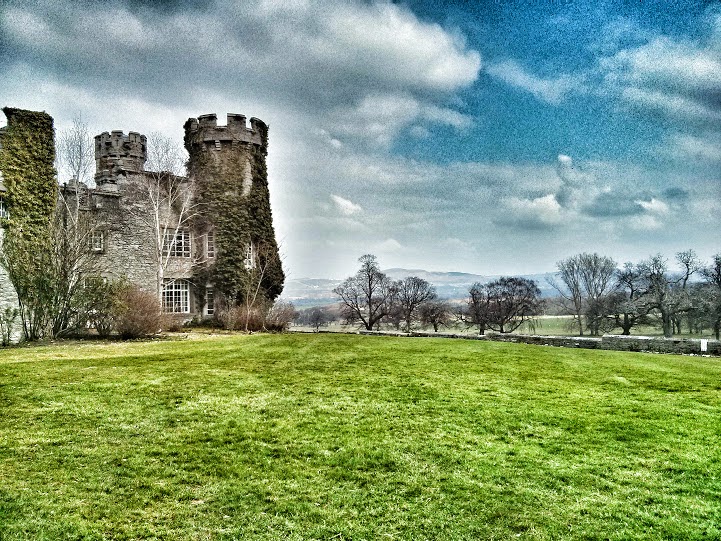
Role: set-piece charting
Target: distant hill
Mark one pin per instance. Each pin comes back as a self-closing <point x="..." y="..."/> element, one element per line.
<point x="305" y="292"/>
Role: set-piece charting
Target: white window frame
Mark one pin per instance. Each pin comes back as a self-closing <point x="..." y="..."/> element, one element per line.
<point x="210" y="245"/>
<point x="176" y="243"/>
<point x="209" y="301"/>
<point x="176" y="296"/>
<point x="97" y="241"/>
<point x="250" y="256"/>
<point x="4" y="212"/>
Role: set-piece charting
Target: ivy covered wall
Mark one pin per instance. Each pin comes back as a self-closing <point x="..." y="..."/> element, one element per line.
<point x="228" y="167"/>
<point x="27" y="157"/>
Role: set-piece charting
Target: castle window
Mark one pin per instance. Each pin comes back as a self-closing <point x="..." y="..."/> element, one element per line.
<point x="176" y="296"/>
<point x="209" y="301"/>
<point x="250" y="256"/>
<point x="210" y="245"/>
<point x="217" y="145"/>
<point x="176" y="244"/>
<point x="97" y="242"/>
<point x="3" y="208"/>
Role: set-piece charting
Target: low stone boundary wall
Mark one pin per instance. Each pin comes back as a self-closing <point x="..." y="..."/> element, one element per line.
<point x="685" y="346"/>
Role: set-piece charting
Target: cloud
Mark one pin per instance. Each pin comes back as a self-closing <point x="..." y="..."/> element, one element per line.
<point x="654" y="206"/>
<point x="540" y="213"/>
<point x="389" y="245"/>
<point x="612" y="204"/>
<point x="379" y="118"/>
<point x="576" y="185"/>
<point x="550" y="90"/>
<point x="308" y="54"/>
<point x="705" y="147"/>
<point x="678" y="78"/>
<point x="346" y="207"/>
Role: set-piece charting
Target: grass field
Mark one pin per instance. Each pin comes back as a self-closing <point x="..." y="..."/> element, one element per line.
<point x="343" y="437"/>
<point x="543" y="325"/>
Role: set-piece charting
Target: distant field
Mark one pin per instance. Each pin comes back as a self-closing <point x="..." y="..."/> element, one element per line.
<point x="544" y="325"/>
<point x="341" y="437"/>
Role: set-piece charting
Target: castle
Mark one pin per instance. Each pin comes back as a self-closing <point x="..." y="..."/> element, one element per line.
<point x="194" y="240"/>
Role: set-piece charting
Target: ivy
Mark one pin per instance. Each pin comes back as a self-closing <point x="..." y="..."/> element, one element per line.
<point x="237" y="219"/>
<point x="27" y="156"/>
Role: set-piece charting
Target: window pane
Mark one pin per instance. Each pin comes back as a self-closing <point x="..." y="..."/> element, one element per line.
<point x="176" y="296"/>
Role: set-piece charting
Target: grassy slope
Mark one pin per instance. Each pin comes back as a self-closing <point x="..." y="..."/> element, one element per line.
<point x="347" y="437"/>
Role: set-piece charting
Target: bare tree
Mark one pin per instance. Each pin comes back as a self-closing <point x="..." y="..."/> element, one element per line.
<point x="587" y="279"/>
<point x="512" y="301"/>
<point x="597" y="278"/>
<point x="690" y="264"/>
<point x="165" y="202"/>
<point x="478" y="307"/>
<point x="663" y="293"/>
<point x="571" y="296"/>
<point x="436" y="313"/>
<point x="368" y="295"/>
<point x="76" y="152"/>
<point x="255" y="304"/>
<point x="625" y="305"/>
<point x="318" y="317"/>
<point x="412" y="293"/>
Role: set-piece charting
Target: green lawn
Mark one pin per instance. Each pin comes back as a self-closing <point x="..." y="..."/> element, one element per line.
<point x="343" y="437"/>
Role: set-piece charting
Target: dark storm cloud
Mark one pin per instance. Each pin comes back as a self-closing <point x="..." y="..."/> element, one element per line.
<point x="319" y="56"/>
<point x="610" y="205"/>
<point x="676" y="194"/>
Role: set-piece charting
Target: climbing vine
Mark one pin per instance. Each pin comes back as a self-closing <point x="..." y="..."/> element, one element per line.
<point x="27" y="155"/>
<point x="239" y="215"/>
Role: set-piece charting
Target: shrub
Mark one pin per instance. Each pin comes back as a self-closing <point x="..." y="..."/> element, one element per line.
<point x="242" y="318"/>
<point x="258" y="318"/>
<point x="102" y="303"/>
<point x="138" y="313"/>
<point x="279" y="316"/>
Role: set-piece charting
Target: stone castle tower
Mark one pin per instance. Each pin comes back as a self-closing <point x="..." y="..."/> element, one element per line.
<point x="228" y="165"/>
<point x="118" y="155"/>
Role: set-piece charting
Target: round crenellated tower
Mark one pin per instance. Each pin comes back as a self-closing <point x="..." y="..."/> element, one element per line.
<point x="228" y="166"/>
<point x="118" y="154"/>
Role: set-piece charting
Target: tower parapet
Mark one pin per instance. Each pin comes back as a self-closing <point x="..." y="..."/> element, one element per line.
<point x="117" y="153"/>
<point x="205" y="130"/>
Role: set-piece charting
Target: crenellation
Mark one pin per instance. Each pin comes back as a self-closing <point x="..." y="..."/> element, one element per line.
<point x="208" y="121"/>
<point x="117" y="154"/>
<point x="205" y="129"/>
<point x="236" y="122"/>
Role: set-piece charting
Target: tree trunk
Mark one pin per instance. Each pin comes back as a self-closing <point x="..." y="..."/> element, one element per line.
<point x="626" y="325"/>
<point x="667" y="325"/>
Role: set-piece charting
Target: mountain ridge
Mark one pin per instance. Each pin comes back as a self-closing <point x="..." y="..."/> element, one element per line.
<point x="449" y="285"/>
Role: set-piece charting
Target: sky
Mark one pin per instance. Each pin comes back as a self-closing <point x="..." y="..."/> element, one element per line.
<point x="490" y="137"/>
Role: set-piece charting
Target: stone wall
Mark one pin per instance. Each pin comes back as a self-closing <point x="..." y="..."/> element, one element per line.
<point x="8" y="296"/>
<point x="687" y="346"/>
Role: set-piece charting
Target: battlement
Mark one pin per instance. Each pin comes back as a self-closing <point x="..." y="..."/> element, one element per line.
<point x="118" y="146"/>
<point x="205" y="129"/>
<point x="117" y="153"/>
